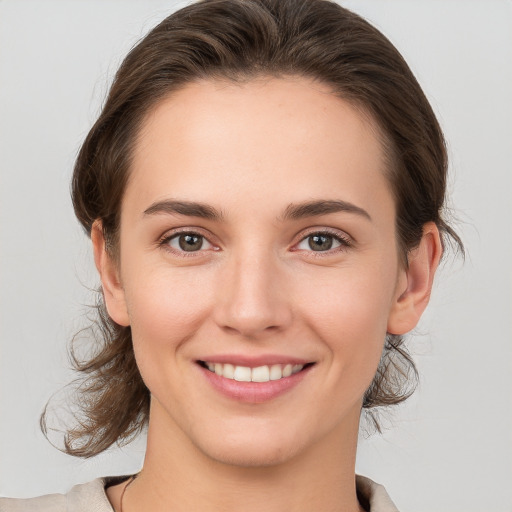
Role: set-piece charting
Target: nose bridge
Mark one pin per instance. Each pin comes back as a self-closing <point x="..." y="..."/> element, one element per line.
<point x="253" y="299"/>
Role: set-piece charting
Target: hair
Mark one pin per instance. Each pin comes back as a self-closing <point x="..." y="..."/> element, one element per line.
<point x="239" y="40"/>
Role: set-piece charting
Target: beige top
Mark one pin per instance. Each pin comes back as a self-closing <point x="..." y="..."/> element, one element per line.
<point x="91" y="497"/>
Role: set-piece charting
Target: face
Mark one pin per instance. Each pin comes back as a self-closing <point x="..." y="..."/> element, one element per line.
<point x="258" y="265"/>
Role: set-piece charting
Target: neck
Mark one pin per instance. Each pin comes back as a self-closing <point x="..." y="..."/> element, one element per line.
<point x="178" y="476"/>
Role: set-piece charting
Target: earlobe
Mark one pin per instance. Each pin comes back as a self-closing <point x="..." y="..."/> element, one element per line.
<point x="415" y="283"/>
<point x="113" y="291"/>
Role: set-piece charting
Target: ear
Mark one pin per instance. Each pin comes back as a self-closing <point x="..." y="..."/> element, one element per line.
<point x="113" y="291"/>
<point x="415" y="282"/>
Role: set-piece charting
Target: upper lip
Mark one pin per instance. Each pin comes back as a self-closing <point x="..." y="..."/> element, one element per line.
<point x="254" y="361"/>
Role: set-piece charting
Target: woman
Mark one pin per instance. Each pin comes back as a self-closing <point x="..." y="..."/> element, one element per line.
<point x="264" y="191"/>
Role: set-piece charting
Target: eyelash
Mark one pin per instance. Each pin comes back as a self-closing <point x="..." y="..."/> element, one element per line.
<point x="344" y="241"/>
<point x="166" y="239"/>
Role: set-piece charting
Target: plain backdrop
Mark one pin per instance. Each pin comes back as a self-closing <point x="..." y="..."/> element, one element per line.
<point x="450" y="447"/>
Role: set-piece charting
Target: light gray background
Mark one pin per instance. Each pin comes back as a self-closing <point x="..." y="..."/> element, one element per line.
<point x="449" y="448"/>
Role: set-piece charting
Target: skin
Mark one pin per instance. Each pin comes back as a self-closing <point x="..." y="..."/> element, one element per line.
<point x="257" y="287"/>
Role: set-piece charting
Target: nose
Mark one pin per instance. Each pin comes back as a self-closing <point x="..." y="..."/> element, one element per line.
<point x="253" y="300"/>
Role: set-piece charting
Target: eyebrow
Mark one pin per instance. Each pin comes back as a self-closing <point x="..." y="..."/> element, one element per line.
<point x="322" y="207"/>
<point x="188" y="208"/>
<point x="292" y="211"/>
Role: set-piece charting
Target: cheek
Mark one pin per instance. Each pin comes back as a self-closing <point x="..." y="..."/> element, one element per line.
<point x="162" y="297"/>
<point x="166" y="309"/>
<point x="349" y="312"/>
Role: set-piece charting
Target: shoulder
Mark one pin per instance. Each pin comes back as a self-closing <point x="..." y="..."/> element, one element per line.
<point x="373" y="496"/>
<point x="89" y="497"/>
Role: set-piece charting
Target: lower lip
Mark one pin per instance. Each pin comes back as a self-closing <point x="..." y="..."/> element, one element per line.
<point x="253" y="392"/>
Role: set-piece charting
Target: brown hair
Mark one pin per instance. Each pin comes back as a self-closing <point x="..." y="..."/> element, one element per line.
<point x="238" y="40"/>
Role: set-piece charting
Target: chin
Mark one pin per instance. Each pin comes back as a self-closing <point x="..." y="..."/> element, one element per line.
<point x="254" y="443"/>
<point x="250" y="454"/>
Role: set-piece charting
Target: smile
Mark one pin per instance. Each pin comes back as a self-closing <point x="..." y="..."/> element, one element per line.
<point x="249" y="380"/>
<point x="263" y="373"/>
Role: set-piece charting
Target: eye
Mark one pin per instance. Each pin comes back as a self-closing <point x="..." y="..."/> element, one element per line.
<point x="322" y="242"/>
<point x="188" y="242"/>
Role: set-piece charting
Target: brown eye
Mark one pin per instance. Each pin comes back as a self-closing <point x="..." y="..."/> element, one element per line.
<point x="323" y="242"/>
<point x="320" y="242"/>
<point x="189" y="242"/>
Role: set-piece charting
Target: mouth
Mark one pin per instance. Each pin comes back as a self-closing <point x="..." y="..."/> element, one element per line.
<point x="261" y="374"/>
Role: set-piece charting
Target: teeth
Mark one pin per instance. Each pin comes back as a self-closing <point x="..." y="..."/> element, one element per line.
<point x="259" y="374"/>
<point x="276" y="372"/>
<point x="228" y="371"/>
<point x="242" y="374"/>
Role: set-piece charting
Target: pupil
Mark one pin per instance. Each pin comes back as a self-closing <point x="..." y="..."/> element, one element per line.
<point x="320" y="242"/>
<point x="190" y="242"/>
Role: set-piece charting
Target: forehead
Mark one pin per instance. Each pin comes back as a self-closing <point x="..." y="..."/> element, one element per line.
<point x="281" y="139"/>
